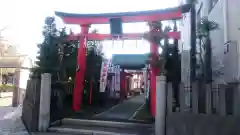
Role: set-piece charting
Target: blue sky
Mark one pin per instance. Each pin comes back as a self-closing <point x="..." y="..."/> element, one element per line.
<point x="24" y="18"/>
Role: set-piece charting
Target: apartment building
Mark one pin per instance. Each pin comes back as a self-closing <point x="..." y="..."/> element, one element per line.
<point x="225" y="40"/>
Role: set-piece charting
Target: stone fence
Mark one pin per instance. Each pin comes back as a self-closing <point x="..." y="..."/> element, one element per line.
<point x="210" y="109"/>
<point x="43" y="102"/>
<point x="30" y="107"/>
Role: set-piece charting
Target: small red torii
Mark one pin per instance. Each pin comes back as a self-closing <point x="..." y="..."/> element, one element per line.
<point x="85" y="20"/>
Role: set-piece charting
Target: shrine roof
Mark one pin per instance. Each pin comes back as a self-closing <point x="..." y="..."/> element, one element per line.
<point x="185" y="8"/>
<point x="129" y="60"/>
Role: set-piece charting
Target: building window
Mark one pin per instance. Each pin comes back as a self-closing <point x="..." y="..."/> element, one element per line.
<point x="212" y="4"/>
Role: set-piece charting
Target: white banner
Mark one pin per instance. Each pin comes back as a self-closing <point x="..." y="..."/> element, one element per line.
<point x="103" y="78"/>
<point x="117" y="79"/>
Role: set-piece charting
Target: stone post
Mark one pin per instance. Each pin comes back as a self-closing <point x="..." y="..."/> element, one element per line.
<point x="160" y="118"/>
<point x="222" y="100"/>
<point x="44" y="109"/>
<point x="208" y="99"/>
<point x="236" y="101"/>
<point x="169" y="98"/>
<point x="16" y="91"/>
<point x="195" y="99"/>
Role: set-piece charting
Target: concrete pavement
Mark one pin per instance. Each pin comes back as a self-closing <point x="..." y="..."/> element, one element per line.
<point x="11" y="124"/>
<point x="10" y="121"/>
<point x="5" y="101"/>
<point x="123" y="111"/>
<point x="120" y="112"/>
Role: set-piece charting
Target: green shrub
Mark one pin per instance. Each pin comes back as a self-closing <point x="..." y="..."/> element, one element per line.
<point x="6" y="88"/>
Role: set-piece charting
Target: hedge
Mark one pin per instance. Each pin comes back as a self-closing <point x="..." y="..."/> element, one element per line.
<point x="6" y="88"/>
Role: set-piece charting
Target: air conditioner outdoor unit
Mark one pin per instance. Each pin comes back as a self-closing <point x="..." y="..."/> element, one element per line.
<point x="231" y="62"/>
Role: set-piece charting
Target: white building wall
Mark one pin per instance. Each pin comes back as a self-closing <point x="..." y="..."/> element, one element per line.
<point x="24" y="74"/>
<point x="228" y="31"/>
<point x="232" y="57"/>
<point x="185" y="32"/>
<point x="184" y="48"/>
<point x="233" y="12"/>
<point x="226" y="14"/>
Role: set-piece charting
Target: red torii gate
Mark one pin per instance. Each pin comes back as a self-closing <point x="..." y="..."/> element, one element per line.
<point x="85" y="20"/>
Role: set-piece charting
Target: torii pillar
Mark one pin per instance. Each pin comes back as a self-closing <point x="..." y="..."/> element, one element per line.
<point x="81" y="68"/>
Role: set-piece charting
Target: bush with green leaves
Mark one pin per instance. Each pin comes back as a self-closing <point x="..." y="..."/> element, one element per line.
<point x="58" y="56"/>
<point x="48" y="60"/>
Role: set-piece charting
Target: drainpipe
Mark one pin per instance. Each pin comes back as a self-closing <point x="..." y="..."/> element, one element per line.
<point x="225" y="20"/>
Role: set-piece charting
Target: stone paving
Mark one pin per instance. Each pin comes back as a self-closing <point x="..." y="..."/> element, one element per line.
<point x="10" y="121"/>
<point x="11" y="124"/>
<point x="124" y="111"/>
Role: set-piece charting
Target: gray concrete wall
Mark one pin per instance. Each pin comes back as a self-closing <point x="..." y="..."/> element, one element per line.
<point x="190" y="124"/>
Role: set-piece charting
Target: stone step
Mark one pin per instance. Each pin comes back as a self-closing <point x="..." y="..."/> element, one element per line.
<point x="69" y="121"/>
<point x="88" y="131"/>
<point x="96" y="127"/>
<point x="49" y="133"/>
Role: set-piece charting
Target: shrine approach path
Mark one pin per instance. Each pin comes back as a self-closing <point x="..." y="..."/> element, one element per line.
<point x="123" y="111"/>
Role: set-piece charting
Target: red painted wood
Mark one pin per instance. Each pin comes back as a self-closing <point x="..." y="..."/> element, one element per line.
<point x="79" y="79"/>
<point x="130" y="36"/>
<point x="138" y="18"/>
<point x="77" y="94"/>
<point x="154" y="71"/>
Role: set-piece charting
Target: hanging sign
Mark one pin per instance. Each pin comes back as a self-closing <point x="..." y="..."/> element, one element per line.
<point x="116" y="26"/>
